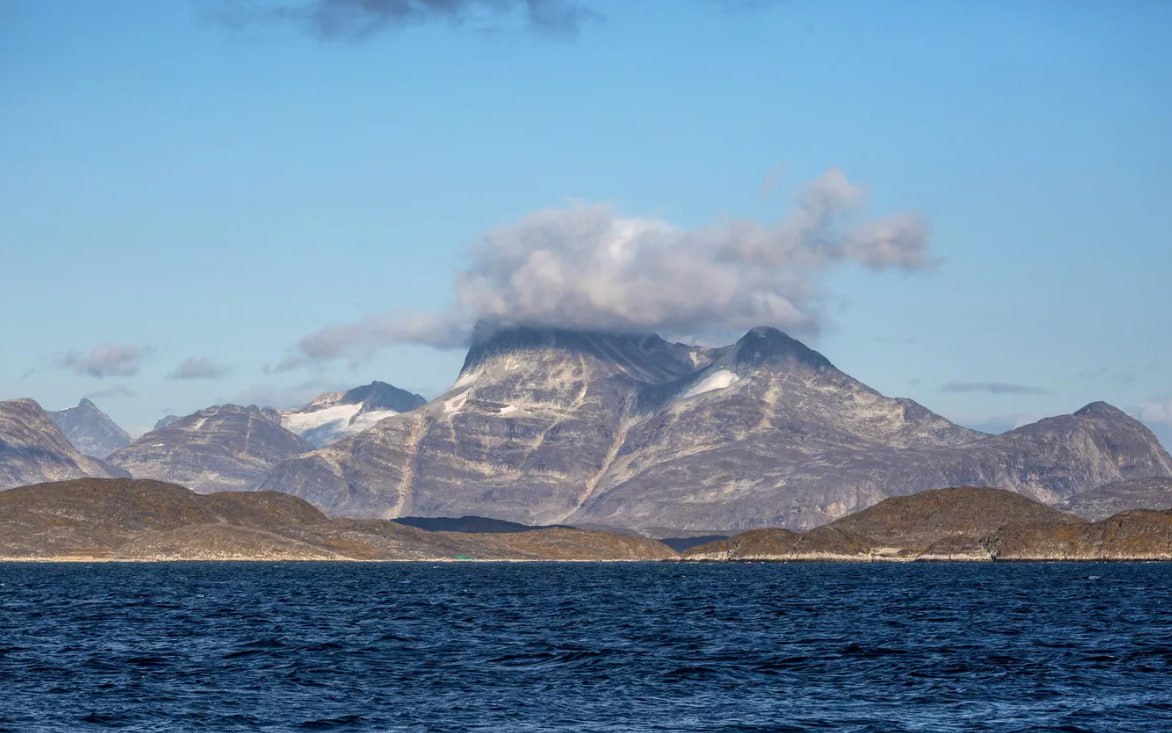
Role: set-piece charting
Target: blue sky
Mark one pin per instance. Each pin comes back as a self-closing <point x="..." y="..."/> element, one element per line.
<point x="181" y="181"/>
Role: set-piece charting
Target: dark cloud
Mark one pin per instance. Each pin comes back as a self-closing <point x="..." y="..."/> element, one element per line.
<point x="586" y="267"/>
<point x="198" y="368"/>
<point x="992" y="388"/>
<point x="118" y="391"/>
<point x="106" y="360"/>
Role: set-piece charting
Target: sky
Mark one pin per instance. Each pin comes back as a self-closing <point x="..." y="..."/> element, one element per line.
<point x="215" y="201"/>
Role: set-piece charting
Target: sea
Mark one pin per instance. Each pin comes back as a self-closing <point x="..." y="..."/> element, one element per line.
<point x="586" y="647"/>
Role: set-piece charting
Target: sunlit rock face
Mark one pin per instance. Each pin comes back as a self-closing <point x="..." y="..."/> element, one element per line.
<point x="545" y="426"/>
<point x="222" y="448"/>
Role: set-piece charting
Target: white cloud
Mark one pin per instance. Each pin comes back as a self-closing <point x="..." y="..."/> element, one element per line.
<point x="586" y="267"/>
<point x="198" y="368"/>
<point x="107" y="360"/>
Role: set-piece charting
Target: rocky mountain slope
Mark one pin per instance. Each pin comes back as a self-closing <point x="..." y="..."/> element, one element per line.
<point x="151" y="520"/>
<point x="33" y="449"/>
<point x="547" y="426"/>
<point x="222" y="448"/>
<point x="1103" y="501"/>
<point x="90" y="430"/>
<point x="334" y="415"/>
<point x="964" y="523"/>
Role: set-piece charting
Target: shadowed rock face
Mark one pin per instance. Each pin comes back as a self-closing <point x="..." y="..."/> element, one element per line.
<point x="33" y="449"/>
<point x="1103" y="501"/>
<point x="90" y="430"/>
<point x="547" y="427"/>
<point x="223" y="448"/>
<point x="151" y="520"/>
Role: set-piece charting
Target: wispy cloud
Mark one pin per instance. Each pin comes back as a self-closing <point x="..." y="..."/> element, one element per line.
<point x="1157" y="411"/>
<point x="357" y="19"/>
<point x="116" y="392"/>
<point x="992" y="388"/>
<point x="196" y="367"/>
<point x="586" y="267"/>
<point x="106" y="360"/>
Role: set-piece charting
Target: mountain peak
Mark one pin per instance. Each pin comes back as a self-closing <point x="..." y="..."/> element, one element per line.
<point x="90" y="430"/>
<point x="382" y="396"/>
<point x="1100" y="409"/>
<point x="768" y="345"/>
<point x="643" y="356"/>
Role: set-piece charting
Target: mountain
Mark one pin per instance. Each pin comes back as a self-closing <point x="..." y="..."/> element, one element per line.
<point x="548" y="426"/>
<point x="33" y="449"/>
<point x="151" y="520"/>
<point x="1104" y="501"/>
<point x="222" y="448"/>
<point x="90" y="430"/>
<point x="334" y="415"/>
<point x="523" y="434"/>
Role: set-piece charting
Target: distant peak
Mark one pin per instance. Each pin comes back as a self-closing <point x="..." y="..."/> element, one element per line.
<point x="86" y="402"/>
<point x="1100" y="409"/>
<point x="768" y="345"/>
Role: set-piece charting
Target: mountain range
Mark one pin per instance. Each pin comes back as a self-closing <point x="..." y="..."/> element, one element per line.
<point x="547" y="426"/>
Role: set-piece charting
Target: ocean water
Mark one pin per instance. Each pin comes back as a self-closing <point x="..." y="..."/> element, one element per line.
<point x="586" y="647"/>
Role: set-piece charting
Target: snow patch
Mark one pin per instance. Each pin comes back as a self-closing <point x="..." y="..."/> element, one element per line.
<point x="365" y="420"/>
<point x="302" y="422"/>
<point x="507" y="409"/>
<point x="720" y="379"/>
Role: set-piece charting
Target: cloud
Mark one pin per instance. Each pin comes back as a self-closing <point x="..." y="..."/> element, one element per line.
<point x="586" y="267"/>
<point x="286" y="396"/>
<point x="992" y="388"/>
<point x="118" y="391"/>
<point x="107" y="360"/>
<point x="198" y="368"/>
<point x="357" y="19"/>
<point x="1157" y="411"/>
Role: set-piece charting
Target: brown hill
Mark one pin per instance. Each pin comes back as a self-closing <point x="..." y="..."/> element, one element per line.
<point x="151" y="520"/>
<point x="917" y="522"/>
<point x="955" y="523"/>
<point x="1140" y="534"/>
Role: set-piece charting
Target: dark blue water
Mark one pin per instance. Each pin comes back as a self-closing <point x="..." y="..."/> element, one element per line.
<point x="586" y="647"/>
